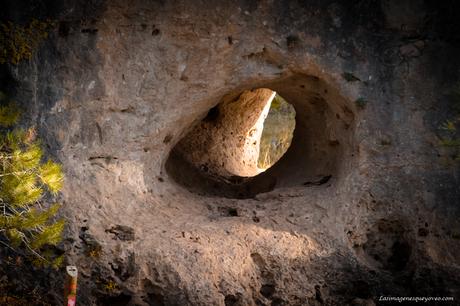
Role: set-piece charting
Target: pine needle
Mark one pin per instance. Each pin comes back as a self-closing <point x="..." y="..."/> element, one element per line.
<point x="27" y="159"/>
<point x="35" y="218"/>
<point x="14" y="237"/>
<point x="51" y="175"/>
<point x="20" y="189"/>
<point x="51" y="235"/>
<point x="24" y="180"/>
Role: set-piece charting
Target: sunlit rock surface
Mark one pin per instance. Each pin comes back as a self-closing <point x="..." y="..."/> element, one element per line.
<point x="227" y="141"/>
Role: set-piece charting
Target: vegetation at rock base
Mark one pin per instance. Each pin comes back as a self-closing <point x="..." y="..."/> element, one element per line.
<point x="94" y="251"/>
<point x="450" y="138"/>
<point x="18" y="42"/>
<point x="111" y="286"/>
<point x="26" y="182"/>
<point x="277" y="132"/>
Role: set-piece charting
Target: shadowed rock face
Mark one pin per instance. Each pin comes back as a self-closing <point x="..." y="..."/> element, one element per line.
<point x="360" y="205"/>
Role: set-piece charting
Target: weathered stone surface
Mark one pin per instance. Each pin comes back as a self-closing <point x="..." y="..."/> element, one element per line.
<point x="118" y="85"/>
<point x="227" y="142"/>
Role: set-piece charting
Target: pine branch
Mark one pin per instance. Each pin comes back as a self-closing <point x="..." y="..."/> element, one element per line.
<point x="24" y="180"/>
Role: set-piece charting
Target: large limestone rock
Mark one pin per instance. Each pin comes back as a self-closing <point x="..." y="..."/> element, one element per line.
<point x="360" y="206"/>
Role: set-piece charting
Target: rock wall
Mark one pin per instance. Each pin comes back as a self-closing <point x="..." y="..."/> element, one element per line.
<point x="361" y="206"/>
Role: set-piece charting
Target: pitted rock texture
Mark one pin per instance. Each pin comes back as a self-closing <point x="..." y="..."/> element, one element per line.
<point x="361" y="206"/>
<point x="226" y="143"/>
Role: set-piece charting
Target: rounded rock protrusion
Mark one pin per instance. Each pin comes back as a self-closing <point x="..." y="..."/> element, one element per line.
<point x="243" y="137"/>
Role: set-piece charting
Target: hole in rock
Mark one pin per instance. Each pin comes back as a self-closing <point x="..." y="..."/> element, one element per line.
<point x="241" y="138"/>
<point x="267" y="290"/>
<point x="284" y="133"/>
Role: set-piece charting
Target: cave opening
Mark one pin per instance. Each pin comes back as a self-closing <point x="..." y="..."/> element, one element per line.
<point x="295" y="131"/>
<point x="242" y="137"/>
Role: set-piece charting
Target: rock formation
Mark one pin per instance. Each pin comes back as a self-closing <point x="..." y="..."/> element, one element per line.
<point x="364" y="204"/>
<point x="243" y="137"/>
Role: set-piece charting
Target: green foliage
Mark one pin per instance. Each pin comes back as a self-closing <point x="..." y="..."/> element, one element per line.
<point x="449" y="126"/>
<point x="48" y="259"/>
<point x="25" y="180"/>
<point x="450" y="138"/>
<point x="277" y="133"/>
<point x="50" y="234"/>
<point x="277" y="102"/>
<point x="110" y="286"/>
<point x="51" y="176"/>
<point x="14" y="236"/>
<point x="9" y="112"/>
<point x="94" y="250"/>
<point x="18" y="42"/>
<point x="453" y="143"/>
<point x="29" y="219"/>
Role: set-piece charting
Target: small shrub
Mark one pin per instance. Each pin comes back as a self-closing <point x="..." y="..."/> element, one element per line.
<point x="18" y="42"/>
<point x="450" y="138"/>
<point x="94" y="251"/>
<point x="110" y="286"/>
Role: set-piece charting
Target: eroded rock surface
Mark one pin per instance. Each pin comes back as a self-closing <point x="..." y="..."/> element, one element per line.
<point x="227" y="142"/>
<point x="363" y="204"/>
